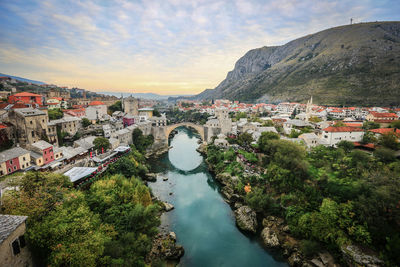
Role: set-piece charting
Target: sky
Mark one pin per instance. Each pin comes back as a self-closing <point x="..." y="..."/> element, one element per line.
<point x="164" y="47"/>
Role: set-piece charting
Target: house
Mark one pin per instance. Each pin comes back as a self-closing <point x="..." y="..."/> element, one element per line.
<point x="30" y="125"/>
<point x="382" y="117"/>
<point x="27" y="98"/>
<point x="71" y="125"/>
<point x="124" y="136"/>
<point x="13" y="249"/>
<point x="158" y="121"/>
<point x="57" y="102"/>
<point x="78" y="112"/>
<point x="147" y="113"/>
<point x="86" y="143"/>
<point x="312" y="140"/>
<point x="128" y="120"/>
<point x="382" y="131"/>
<point x="333" y="135"/>
<point x="289" y="125"/>
<point x="96" y="110"/>
<point x="13" y="160"/>
<point x="43" y="152"/>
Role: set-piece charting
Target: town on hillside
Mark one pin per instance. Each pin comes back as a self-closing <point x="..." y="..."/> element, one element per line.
<point x="56" y="128"/>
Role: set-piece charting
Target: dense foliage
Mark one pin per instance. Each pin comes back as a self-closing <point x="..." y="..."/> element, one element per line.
<point x="186" y="116"/>
<point x="111" y="224"/>
<point x="55" y="114"/>
<point x="330" y="197"/>
<point x="140" y="141"/>
<point x="117" y="106"/>
<point x="101" y="143"/>
<point x="86" y="122"/>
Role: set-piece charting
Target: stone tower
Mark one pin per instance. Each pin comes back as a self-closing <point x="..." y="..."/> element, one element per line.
<point x="225" y="122"/>
<point x="309" y="109"/>
<point x="130" y="105"/>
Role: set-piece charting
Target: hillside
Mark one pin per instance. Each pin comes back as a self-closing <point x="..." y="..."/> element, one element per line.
<point x="22" y="79"/>
<point x="355" y="64"/>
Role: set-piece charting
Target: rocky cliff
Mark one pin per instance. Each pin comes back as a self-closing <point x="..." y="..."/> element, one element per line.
<point x="356" y="64"/>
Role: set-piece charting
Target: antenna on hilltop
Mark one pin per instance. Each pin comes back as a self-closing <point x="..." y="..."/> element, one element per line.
<point x="351" y="21"/>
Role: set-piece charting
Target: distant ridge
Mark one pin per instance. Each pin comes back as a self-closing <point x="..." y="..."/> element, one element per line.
<point x="356" y="64"/>
<point x="150" y="96"/>
<point x="22" y="79"/>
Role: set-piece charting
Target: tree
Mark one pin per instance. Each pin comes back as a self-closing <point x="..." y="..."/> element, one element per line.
<point x="369" y="137"/>
<point x="55" y="114"/>
<point x="369" y="125"/>
<point x="245" y="139"/>
<point x="347" y="146"/>
<point x="389" y="140"/>
<point x="339" y="124"/>
<point x="385" y="154"/>
<point x="156" y="113"/>
<point x="396" y="124"/>
<point x="140" y="141"/>
<point x="117" y="106"/>
<point x="86" y="122"/>
<point x="101" y="143"/>
<point x="315" y="119"/>
<point x="265" y="138"/>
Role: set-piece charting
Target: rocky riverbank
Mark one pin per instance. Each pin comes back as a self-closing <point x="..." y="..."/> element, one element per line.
<point x="276" y="234"/>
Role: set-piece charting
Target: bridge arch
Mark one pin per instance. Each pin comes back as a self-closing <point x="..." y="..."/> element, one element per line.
<point x="197" y="127"/>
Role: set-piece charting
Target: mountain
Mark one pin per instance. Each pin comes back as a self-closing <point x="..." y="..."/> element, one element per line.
<point x="150" y="96"/>
<point x="355" y="64"/>
<point x="22" y="79"/>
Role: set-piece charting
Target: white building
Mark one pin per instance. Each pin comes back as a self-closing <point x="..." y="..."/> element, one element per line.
<point x="333" y="135"/>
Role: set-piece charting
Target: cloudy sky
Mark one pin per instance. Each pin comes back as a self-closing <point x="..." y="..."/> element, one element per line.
<point x="166" y="46"/>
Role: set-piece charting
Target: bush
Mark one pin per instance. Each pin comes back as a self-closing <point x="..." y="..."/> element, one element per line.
<point x="309" y="248"/>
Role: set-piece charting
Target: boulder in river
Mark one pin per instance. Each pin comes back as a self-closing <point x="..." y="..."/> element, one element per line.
<point x="167" y="206"/>
<point x="246" y="219"/>
<point x="270" y="238"/>
<point x="152" y="177"/>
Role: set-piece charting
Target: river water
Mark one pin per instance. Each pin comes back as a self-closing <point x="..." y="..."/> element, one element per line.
<point x="203" y="222"/>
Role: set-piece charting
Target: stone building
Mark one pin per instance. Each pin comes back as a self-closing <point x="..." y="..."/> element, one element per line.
<point x="13" y="248"/>
<point x="130" y="105"/>
<point x="225" y="123"/>
<point x="14" y="159"/>
<point x="30" y="125"/>
<point x="71" y="125"/>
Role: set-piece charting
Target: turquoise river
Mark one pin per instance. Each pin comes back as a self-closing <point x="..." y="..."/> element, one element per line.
<point x="203" y="222"/>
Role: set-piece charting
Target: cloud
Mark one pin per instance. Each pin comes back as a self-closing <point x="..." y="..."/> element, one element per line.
<point x="171" y="46"/>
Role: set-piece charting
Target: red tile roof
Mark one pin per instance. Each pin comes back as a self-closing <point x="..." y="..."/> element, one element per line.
<point x="369" y="145"/>
<point x="382" y="130"/>
<point x="3" y="126"/>
<point x="342" y="129"/>
<point x="96" y="103"/>
<point x="359" y="125"/>
<point x="26" y="94"/>
<point x="383" y="115"/>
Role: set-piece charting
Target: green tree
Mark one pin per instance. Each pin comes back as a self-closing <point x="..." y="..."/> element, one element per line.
<point x="347" y="146"/>
<point x="339" y="124"/>
<point x="101" y="143"/>
<point x="369" y="125"/>
<point x="245" y="139"/>
<point x="86" y="122"/>
<point x="140" y="141"/>
<point x="389" y="140"/>
<point x="55" y="114"/>
<point x="117" y="106"/>
<point x="385" y="154"/>
<point x="156" y="113"/>
<point x="258" y="200"/>
<point x="395" y="124"/>
<point x="369" y="137"/>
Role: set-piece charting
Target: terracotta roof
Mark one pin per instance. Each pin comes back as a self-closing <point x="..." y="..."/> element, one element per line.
<point x="369" y="145"/>
<point x="383" y="115"/>
<point x="382" y="130"/>
<point x="359" y="125"/>
<point x="26" y="94"/>
<point x="343" y="129"/>
<point x="384" y="121"/>
<point x="2" y="126"/>
<point x="96" y="103"/>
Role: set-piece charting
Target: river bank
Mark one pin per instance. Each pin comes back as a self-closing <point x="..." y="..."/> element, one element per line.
<point x="202" y="221"/>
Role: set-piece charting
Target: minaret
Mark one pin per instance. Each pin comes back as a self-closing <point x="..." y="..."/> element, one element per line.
<point x="309" y="109"/>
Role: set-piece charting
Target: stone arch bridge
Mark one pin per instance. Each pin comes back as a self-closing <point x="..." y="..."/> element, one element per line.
<point x="197" y="127"/>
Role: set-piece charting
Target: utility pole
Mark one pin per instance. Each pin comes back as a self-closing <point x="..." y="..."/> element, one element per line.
<point x="351" y="21"/>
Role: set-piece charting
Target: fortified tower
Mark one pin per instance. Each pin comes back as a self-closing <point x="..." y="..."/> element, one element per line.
<point x="130" y="105"/>
<point x="225" y="122"/>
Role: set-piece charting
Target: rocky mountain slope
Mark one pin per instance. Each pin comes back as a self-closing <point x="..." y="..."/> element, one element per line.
<point x="355" y="64"/>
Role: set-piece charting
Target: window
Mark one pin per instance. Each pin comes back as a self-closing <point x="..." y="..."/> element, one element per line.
<point x="31" y="122"/>
<point x="43" y="120"/>
<point x="33" y="134"/>
<point x="15" y="247"/>
<point x="23" y="166"/>
<point x="45" y="152"/>
<point x="22" y="242"/>
<point x="15" y="168"/>
<point x="23" y="158"/>
<point x="11" y="162"/>
<point x="9" y="170"/>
